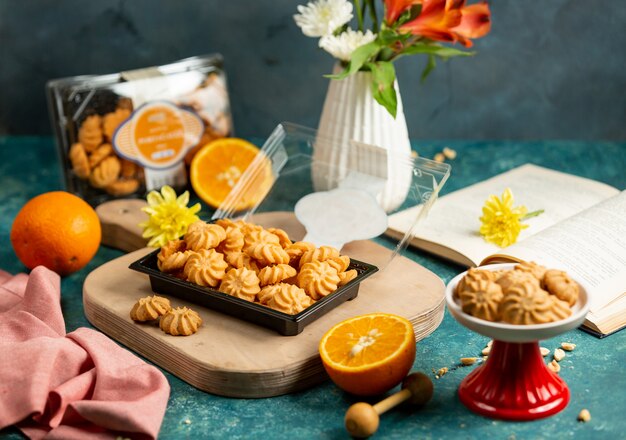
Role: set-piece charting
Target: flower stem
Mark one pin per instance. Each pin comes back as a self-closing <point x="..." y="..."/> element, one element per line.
<point x="532" y="214"/>
<point x="359" y="13"/>
<point x="373" y="16"/>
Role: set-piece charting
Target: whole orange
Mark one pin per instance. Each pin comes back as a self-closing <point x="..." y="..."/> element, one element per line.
<point x="57" y="230"/>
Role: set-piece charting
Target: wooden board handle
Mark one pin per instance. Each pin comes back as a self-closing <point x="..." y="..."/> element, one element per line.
<point x="120" y="224"/>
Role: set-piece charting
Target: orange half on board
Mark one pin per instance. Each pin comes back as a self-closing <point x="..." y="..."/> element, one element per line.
<point x="219" y="166"/>
<point x="369" y="354"/>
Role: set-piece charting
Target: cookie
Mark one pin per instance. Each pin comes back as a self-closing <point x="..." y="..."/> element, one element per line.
<point x="150" y="308"/>
<point x="180" y="321"/>
<point x="318" y="279"/>
<point x="205" y="268"/>
<point x="242" y="283"/>
<point x="559" y="284"/>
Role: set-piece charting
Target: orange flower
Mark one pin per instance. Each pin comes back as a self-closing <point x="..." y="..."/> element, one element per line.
<point x="451" y="21"/>
<point x="395" y="8"/>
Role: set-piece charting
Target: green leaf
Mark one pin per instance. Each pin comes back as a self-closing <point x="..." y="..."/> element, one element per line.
<point x="389" y="36"/>
<point x="383" y="78"/>
<point x="436" y="50"/>
<point x="359" y="57"/>
<point x="432" y="63"/>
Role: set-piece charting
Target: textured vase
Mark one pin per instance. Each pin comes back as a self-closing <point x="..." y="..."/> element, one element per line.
<point x="351" y="113"/>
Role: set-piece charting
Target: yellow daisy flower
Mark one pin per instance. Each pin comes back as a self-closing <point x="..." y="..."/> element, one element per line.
<point x="169" y="216"/>
<point x="501" y="223"/>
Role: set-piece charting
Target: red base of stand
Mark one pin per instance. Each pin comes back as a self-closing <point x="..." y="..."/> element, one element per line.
<point x="514" y="384"/>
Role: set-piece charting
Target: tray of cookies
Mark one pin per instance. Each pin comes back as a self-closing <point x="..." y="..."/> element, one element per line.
<point x="255" y="274"/>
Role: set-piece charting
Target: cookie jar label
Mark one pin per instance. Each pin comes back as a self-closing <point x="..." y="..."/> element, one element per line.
<point x="157" y="136"/>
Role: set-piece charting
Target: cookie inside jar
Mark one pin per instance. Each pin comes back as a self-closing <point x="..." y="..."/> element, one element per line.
<point x="92" y="158"/>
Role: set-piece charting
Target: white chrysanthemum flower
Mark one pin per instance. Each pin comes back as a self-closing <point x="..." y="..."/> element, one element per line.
<point x="323" y="17"/>
<point x="341" y="46"/>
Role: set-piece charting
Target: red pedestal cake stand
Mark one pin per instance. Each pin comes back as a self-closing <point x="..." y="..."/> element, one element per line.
<point x="514" y="383"/>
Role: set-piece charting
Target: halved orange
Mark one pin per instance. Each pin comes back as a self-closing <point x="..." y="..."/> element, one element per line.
<point x="219" y="165"/>
<point x="368" y="354"/>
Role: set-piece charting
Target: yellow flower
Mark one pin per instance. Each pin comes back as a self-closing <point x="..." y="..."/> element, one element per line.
<point x="501" y="223"/>
<point x="169" y="216"/>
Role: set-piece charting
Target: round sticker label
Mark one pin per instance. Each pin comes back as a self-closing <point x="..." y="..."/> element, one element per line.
<point x="158" y="135"/>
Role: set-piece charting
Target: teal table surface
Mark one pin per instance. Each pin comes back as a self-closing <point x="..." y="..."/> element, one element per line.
<point x="595" y="371"/>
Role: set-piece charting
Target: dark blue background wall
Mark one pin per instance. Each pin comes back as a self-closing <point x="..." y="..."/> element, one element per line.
<point x="549" y="69"/>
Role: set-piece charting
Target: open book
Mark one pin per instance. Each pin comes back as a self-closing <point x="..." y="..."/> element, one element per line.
<point x="582" y="231"/>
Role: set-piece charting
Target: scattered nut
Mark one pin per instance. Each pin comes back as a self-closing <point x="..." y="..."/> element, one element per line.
<point x="568" y="346"/>
<point x="544" y="351"/>
<point x="187" y="422"/>
<point x="486" y="351"/>
<point x="439" y="157"/>
<point x="558" y="355"/>
<point x="441" y="372"/>
<point x="554" y="366"/>
<point x="485" y="358"/>
<point x="449" y="153"/>
<point x="469" y="360"/>
<point x="584" y="416"/>
<point x="414" y="154"/>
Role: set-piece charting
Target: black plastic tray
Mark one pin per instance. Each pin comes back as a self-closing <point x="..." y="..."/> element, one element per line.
<point x="283" y="323"/>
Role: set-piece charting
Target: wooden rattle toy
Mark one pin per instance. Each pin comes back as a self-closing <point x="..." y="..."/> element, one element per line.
<point x="362" y="419"/>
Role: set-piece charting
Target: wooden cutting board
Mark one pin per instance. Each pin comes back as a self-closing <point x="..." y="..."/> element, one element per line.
<point x="231" y="357"/>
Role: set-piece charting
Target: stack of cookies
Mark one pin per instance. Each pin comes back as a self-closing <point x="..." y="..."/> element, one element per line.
<point x="528" y="294"/>
<point x="93" y="159"/>
<point x="256" y="264"/>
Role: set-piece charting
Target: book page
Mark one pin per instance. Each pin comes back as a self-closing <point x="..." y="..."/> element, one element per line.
<point x="453" y="221"/>
<point x="590" y="246"/>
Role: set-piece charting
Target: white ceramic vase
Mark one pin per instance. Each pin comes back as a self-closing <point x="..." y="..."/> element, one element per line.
<point x="351" y="113"/>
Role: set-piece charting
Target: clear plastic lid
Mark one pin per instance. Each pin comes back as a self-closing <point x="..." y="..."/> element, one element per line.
<point x="339" y="191"/>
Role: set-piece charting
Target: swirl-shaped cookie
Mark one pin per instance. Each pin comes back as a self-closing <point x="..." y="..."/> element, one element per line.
<point x="99" y="154"/>
<point x="275" y="274"/>
<point x="471" y="279"/>
<point x="340" y="263"/>
<point x="347" y="276"/>
<point x="288" y="298"/>
<point x="527" y="303"/>
<point x="241" y="259"/>
<point x="536" y="270"/>
<point x="90" y="133"/>
<point x="180" y="321"/>
<point x="514" y="277"/>
<point x="268" y="254"/>
<point x="207" y="236"/>
<point x="107" y="172"/>
<point x="205" y="267"/>
<point x="242" y="283"/>
<point x="79" y="161"/>
<point x="122" y="187"/>
<point x="112" y="120"/>
<point x="234" y="240"/>
<point x="322" y="253"/>
<point x="482" y="300"/>
<point x="283" y="238"/>
<point x="173" y="262"/>
<point x="226" y="223"/>
<point x="150" y="308"/>
<point x="559" y="284"/>
<point x="296" y="250"/>
<point x="318" y="279"/>
<point x="254" y="237"/>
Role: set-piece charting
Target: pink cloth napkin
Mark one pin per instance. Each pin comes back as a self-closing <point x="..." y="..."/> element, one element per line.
<point x="69" y="386"/>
